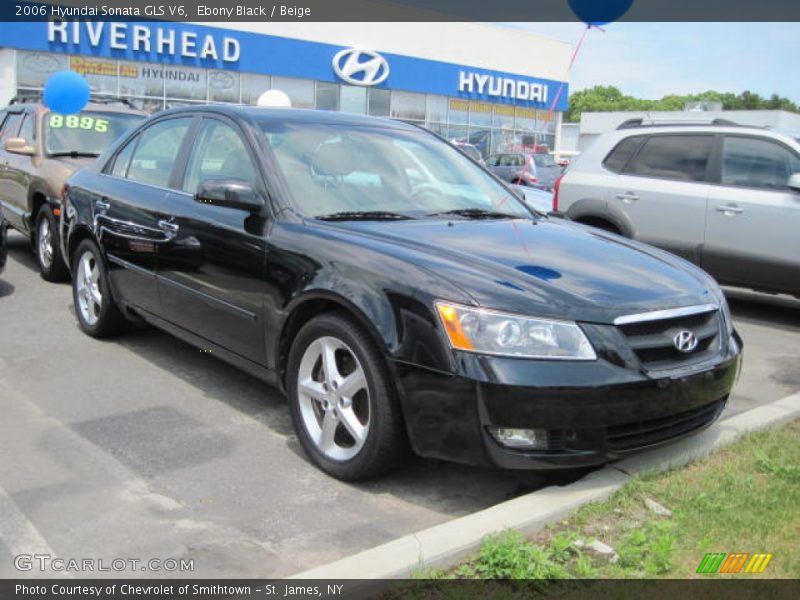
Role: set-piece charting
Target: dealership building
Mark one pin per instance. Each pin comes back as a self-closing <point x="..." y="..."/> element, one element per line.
<point x="498" y="88"/>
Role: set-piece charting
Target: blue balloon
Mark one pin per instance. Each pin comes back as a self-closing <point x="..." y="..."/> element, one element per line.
<point x="599" y="12"/>
<point x="66" y="92"/>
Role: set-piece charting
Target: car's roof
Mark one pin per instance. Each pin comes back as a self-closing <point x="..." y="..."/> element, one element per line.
<point x="293" y="115"/>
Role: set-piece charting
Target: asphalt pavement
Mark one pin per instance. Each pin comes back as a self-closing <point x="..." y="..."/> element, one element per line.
<point x="143" y="447"/>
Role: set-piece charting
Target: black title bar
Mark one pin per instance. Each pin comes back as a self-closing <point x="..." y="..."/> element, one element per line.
<point x="406" y="10"/>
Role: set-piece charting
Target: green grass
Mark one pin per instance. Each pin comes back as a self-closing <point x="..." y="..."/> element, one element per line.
<point x="744" y="498"/>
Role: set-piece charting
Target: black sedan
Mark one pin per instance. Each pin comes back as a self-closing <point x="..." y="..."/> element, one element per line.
<point x="399" y="294"/>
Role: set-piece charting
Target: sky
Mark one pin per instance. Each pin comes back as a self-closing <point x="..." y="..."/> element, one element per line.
<point x="652" y="60"/>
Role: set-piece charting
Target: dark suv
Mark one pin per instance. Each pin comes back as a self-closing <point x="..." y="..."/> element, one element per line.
<point x="39" y="150"/>
<point x="394" y="304"/>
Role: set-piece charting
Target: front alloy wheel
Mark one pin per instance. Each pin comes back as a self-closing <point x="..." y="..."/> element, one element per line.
<point x="48" y="253"/>
<point x="87" y="283"/>
<point x="95" y="308"/>
<point x="343" y="403"/>
<point x="334" y="398"/>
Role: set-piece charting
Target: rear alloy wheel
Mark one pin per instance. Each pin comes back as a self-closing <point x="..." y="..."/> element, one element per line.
<point x="343" y="405"/>
<point x="48" y="251"/>
<point x="96" y="310"/>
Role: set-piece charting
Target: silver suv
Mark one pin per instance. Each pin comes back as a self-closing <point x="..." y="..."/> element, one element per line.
<point x="723" y="196"/>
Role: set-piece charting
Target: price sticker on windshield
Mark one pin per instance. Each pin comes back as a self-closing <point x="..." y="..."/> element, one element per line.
<point x="78" y="122"/>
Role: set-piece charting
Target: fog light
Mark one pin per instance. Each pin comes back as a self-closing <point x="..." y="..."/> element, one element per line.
<point x="536" y="439"/>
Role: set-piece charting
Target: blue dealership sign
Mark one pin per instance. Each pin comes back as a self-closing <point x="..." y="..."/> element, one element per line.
<point x="211" y="47"/>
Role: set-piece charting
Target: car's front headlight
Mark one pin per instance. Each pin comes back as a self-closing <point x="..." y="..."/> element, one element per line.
<point x="490" y="332"/>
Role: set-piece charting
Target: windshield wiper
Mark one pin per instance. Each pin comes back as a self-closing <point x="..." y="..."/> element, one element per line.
<point x="476" y="213"/>
<point x="74" y="154"/>
<point x="363" y="215"/>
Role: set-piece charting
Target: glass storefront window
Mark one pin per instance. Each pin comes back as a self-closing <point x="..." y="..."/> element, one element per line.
<point x="491" y="127"/>
<point x="253" y="86"/>
<point x="300" y="91"/>
<point x="480" y="114"/>
<point x="142" y="79"/>
<point x="407" y="105"/>
<point x="99" y="73"/>
<point x="327" y="96"/>
<point x="379" y="102"/>
<point x="185" y="83"/>
<point x="436" y="109"/>
<point x="354" y="99"/>
<point x="223" y="86"/>
<point x="33" y="68"/>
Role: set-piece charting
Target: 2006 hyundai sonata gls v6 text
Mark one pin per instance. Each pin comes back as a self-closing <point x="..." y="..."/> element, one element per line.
<point x="400" y="294"/>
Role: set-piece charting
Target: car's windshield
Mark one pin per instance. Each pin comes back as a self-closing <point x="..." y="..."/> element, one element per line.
<point x="544" y="160"/>
<point x="337" y="169"/>
<point x="86" y="133"/>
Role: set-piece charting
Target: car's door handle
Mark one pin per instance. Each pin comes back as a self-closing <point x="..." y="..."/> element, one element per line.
<point x="102" y="205"/>
<point x="168" y="226"/>
<point x="628" y="197"/>
<point x="730" y="209"/>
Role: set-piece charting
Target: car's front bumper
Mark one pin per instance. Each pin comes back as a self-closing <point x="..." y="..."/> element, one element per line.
<point x="592" y="412"/>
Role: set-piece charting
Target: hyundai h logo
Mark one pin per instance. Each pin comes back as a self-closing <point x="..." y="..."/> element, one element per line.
<point x="685" y="341"/>
<point x="361" y="67"/>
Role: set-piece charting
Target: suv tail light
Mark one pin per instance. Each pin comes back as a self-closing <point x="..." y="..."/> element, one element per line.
<point x="556" y="187"/>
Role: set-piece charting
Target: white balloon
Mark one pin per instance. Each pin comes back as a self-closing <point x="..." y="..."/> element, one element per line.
<point x="274" y="99"/>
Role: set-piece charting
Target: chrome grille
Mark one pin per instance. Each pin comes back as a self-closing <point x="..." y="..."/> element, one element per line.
<point x="652" y="339"/>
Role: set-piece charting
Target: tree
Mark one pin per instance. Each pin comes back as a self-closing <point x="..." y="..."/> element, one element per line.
<point x="609" y="98"/>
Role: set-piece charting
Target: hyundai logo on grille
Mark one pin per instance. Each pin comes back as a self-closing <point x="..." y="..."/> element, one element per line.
<point x="685" y="341"/>
<point x="361" y="67"/>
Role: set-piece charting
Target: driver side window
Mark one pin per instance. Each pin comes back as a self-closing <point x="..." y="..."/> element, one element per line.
<point x="219" y="153"/>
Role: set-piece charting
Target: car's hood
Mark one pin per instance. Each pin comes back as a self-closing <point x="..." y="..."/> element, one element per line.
<point x="551" y="266"/>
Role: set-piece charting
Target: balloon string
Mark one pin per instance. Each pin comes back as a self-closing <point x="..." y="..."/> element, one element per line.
<point x="571" y="63"/>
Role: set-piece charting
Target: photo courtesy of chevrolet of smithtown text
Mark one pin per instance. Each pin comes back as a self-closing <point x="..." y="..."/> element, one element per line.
<point x="410" y="299"/>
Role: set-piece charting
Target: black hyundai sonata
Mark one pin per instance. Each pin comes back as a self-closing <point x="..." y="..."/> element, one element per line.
<point x="400" y="295"/>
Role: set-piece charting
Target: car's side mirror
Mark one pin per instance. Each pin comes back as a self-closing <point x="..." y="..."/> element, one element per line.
<point x="794" y="182"/>
<point x="19" y="145"/>
<point x="229" y="193"/>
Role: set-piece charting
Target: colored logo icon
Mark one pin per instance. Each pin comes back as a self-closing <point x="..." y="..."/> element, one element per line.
<point x="741" y="562"/>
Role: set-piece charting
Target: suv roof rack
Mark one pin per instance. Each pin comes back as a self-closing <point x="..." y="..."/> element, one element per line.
<point x="648" y="122"/>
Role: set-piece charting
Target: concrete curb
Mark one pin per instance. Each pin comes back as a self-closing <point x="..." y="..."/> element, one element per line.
<point x="449" y="543"/>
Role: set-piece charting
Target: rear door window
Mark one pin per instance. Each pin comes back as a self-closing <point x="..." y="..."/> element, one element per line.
<point x="676" y="157"/>
<point x="123" y="159"/>
<point x="757" y="163"/>
<point x="11" y="126"/>
<point x="618" y="158"/>
<point x="157" y="151"/>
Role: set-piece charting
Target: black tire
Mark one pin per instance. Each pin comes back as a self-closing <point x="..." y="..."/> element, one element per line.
<point x="109" y="320"/>
<point x="386" y="444"/>
<point x="51" y="262"/>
